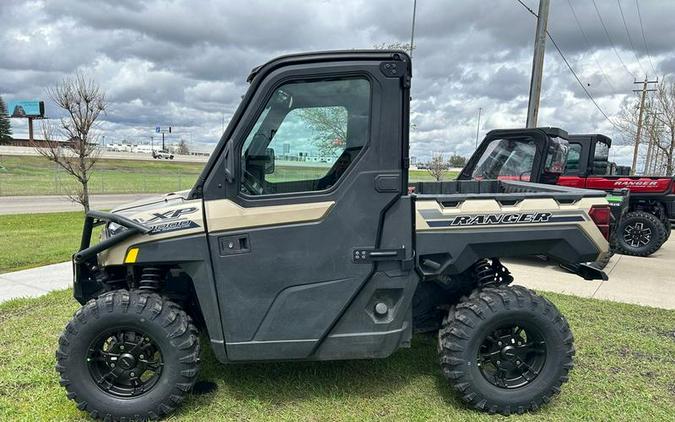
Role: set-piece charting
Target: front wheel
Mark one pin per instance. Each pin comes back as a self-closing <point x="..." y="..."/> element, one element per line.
<point x="128" y="356"/>
<point x="640" y="234"/>
<point x="506" y="350"/>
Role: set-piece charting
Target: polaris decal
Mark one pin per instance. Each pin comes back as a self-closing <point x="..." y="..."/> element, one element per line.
<point x="504" y="219"/>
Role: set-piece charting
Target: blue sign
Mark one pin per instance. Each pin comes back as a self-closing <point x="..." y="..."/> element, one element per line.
<point x="26" y="108"/>
<point x="157" y="130"/>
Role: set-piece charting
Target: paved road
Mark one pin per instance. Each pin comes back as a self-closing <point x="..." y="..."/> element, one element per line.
<point x="644" y="281"/>
<point x="110" y="155"/>
<point x="56" y="203"/>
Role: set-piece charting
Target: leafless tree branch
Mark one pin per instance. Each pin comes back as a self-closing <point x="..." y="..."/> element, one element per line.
<point x="83" y="101"/>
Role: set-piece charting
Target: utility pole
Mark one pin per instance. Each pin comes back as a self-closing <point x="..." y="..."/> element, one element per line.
<point x="537" y="63"/>
<point x="478" y="125"/>
<point x="650" y="147"/>
<point x="638" y="133"/>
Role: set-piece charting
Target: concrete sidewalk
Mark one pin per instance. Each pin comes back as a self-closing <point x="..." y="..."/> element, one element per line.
<point x="646" y="281"/>
<point x="643" y="281"/>
<point x="35" y="281"/>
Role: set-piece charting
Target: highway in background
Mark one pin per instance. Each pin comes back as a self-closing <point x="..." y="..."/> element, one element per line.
<point x="57" y="203"/>
<point x="27" y="151"/>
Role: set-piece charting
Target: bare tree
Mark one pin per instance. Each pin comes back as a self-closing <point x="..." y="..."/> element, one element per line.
<point x="397" y="45"/>
<point x="665" y="114"/>
<point x="182" y="147"/>
<point x="83" y="102"/>
<point x="437" y="167"/>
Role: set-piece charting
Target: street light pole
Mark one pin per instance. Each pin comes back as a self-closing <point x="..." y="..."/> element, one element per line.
<point x="537" y="64"/>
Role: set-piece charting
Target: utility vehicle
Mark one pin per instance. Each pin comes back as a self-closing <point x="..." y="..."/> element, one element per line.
<point x="275" y="254"/>
<point x="526" y="154"/>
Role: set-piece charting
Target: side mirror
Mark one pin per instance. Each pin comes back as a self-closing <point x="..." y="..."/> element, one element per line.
<point x="269" y="160"/>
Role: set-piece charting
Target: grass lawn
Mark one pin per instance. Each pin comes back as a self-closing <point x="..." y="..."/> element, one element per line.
<point x="625" y="371"/>
<point x="20" y="175"/>
<point x="30" y="240"/>
<point x="36" y="176"/>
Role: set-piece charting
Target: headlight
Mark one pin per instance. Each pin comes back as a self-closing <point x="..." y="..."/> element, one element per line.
<point x="113" y="228"/>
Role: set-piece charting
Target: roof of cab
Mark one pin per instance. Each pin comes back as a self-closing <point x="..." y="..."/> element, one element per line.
<point x="336" y="55"/>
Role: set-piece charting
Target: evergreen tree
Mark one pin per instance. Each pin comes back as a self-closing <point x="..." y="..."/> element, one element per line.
<point x="5" y="129"/>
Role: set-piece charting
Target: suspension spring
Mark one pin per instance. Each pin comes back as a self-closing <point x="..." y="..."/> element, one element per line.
<point x="151" y="279"/>
<point x="484" y="273"/>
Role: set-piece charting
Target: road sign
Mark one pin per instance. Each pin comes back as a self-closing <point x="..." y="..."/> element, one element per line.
<point x="157" y="129"/>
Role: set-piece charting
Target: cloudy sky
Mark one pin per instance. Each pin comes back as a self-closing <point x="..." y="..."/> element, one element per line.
<point x="184" y="63"/>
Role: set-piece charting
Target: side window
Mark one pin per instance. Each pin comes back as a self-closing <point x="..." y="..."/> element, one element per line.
<point x="506" y="159"/>
<point x="601" y="159"/>
<point x="307" y="137"/>
<point x="573" y="157"/>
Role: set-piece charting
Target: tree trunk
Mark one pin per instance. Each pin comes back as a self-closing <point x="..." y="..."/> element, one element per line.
<point x="85" y="196"/>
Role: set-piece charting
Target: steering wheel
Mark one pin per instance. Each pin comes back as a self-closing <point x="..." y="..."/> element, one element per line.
<point x="251" y="184"/>
<point x="520" y="176"/>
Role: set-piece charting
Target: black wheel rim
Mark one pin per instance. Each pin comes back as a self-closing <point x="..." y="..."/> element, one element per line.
<point x="637" y="234"/>
<point x="124" y="363"/>
<point x="512" y="356"/>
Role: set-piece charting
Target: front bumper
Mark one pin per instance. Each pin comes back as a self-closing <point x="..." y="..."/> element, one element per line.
<point x="85" y="266"/>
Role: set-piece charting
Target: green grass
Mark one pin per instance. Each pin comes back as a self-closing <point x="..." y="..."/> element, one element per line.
<point x="30" y="240"/>
<point x="21" y="175"/>
<point x="625" y="371"/>
<point x="37" y="176"/>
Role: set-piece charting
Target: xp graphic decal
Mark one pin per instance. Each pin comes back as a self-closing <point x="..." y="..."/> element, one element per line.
<point x="172" y="220"/>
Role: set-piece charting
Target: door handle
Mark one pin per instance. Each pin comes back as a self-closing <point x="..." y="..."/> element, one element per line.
<point x="233" y="245"/>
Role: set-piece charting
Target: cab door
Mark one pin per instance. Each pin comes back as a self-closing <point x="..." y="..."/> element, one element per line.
<point x="305" y="175"/>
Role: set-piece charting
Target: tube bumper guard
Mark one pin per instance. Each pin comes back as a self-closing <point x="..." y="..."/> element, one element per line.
<point x="86" y="282"/>
<point x="96" y="218"/>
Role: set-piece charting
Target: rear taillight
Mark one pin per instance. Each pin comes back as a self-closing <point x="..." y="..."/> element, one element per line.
<point x="601" y="216"/>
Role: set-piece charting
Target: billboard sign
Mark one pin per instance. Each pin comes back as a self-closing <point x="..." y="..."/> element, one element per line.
<point x="26" y="108"/>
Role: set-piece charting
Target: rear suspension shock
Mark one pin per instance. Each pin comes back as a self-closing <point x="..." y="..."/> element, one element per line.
<point x="491" y="274"/>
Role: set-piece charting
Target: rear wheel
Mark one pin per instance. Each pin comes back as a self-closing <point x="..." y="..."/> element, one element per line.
<point x="506" y="350"/>
<point x="667" y="225"/>
<point x="640" y="234"/>
<point x="128" y="355"/>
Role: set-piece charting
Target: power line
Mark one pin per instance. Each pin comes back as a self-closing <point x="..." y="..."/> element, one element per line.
<point x="588" y="94"/>
<point x="597" y="11"/>
<point x="630" y="40"/>
<point x="642" y="29"/>
<point x="562" y="55"/>
<point x="588" y="46"/>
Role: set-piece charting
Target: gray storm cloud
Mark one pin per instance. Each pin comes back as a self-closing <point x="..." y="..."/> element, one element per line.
<point x="184" y="63"/>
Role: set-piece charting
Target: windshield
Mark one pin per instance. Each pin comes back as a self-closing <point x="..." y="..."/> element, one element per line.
<point x="506" y="159"/>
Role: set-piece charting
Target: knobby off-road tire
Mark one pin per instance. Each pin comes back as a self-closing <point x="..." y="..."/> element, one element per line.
<point x="128" y="355"/>
<point x="667" y="226"/>
<point x="640" y="234"/>
<point x="510" y="328"/>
